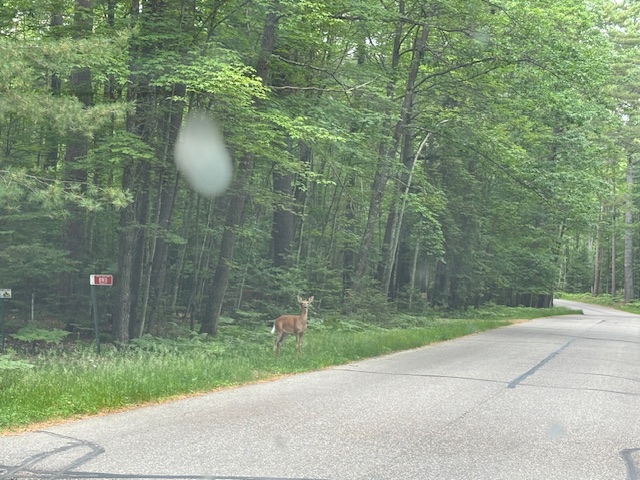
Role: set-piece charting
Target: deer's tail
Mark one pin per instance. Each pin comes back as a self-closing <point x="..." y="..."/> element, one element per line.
<point x="273" y="330"/>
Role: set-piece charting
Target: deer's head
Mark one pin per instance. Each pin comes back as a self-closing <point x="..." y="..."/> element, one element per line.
<point x="305" y="303"/>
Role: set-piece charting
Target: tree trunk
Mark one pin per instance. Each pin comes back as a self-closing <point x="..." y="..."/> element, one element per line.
<point x="397" y="224"/>
<point x="628" y="236"/>
<point x="135" y="178"/>
<point x="140" y="225"/>
<point x="52" y="140"/>
<point x="220" y="280"/>
<point x="614" y="253"/>
<point x="283" y="227"/>
<point x="598" y="253"/>
<point x="76" y="151"/>
<point x="283" y="224"/>
<point x="387" y="156"/>
<point x="414" y="269"/>
<point x="167" y="201"/>
<point x="182" y="250"/>
<point x="126" y="242"/>
<point x="122" y="312"/>
<point x="236" y="205"/>
<point x="348" y="254"/>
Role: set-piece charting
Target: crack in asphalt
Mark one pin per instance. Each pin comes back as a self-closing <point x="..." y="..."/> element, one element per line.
<point x="95" y="451"/>
<point x="427" y="375"/>
<point x="630" y="379"/>
<point x="26" y="468"/>
<point x="516" y="381"/>
<point x="582" y="389"/>
<point x="612" y="340"/>
<point x="42" y="474"/>
<point x="530" y="385"/>
<point x="632" y="468"/>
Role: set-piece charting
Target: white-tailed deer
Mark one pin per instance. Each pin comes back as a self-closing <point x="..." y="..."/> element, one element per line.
<point x="296" y="324"/>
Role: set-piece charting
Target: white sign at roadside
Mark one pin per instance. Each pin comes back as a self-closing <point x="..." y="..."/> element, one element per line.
<point x="5" y="293"/>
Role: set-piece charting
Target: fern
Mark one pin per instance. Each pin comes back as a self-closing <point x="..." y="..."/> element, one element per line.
<point x="35" y="334"/>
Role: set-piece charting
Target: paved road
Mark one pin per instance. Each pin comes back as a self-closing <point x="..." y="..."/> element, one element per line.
<point x="555" y="398"/>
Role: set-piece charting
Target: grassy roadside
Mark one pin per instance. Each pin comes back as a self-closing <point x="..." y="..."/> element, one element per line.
<point x="604" y="299"/>
<point x="70" y="383"/>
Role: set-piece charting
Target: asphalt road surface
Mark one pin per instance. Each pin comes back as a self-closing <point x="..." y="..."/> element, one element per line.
<point x="554" y="398"/>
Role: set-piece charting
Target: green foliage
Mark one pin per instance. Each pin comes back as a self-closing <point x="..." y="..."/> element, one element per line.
<point x="27" y="196"/>
<point x="32" y="334"/>
<point x="32" y="269"/>
<point x="510" y="109"/>
<point x="227" y="80"/>
<point x="367" y="304"/>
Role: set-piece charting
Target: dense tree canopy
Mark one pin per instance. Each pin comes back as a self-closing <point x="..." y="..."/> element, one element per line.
<point x="420" y="154"/>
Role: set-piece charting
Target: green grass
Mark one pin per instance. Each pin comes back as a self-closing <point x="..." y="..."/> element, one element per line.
<point x="604" y="299"/>
<point x="67" y="383"/>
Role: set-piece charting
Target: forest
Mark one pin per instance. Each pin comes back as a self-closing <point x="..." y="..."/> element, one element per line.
<point x="389" y="155"/>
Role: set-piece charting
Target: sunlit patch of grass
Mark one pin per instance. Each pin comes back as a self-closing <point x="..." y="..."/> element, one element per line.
<point x="603" y="299"/>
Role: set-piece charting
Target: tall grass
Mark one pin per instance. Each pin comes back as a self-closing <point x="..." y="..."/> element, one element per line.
<point x="77" y="382"/>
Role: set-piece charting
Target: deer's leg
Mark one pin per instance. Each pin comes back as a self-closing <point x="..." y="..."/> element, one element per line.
<point x="279" y="339"/>
<point x="299" y="341"/>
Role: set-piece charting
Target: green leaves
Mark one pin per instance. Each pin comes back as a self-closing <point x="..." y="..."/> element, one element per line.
<point x="22" y="192"/>
<point x="34" y="334"/>
<point x="230" y="82"/>
<point x="506" y="104"/>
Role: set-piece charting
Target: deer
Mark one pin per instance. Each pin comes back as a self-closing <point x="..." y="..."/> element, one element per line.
<point x="297" y="324"/>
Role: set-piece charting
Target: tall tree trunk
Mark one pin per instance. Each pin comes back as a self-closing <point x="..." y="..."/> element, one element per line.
<point x="140" y="225"/>
<point x="155" y="121"/>
<point x="628" y="235"/>
<point x="126" y="243"/>
<point x="348" y="254"/>
<point x="598" y="253"/>
<point x="375" y="203"/>
<point x="52" y="143"/>
<point x="167" y="201"/>
<point x="283" y="223"/>
<point x="419" y="45"/>
<point x="414" y="269"/>
<point x="135" y="178"/>
<point x="218" y="286"/>
<point x="76" y="151"/>
<point x="182" y="250"/>
<point x="238" y="197"/>
<point x="283" y="226"/>
<point x="387" y="156"/>
<point x="614" y="252"/>
<point x="397" y="226"/>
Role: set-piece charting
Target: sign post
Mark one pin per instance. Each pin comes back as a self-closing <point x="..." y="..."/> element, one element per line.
<point x="5" y="294"/>
<point x="98" y="280"/>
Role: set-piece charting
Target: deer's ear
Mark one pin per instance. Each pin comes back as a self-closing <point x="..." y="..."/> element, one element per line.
<point x="311" y="299"/>
<point x="300" y="299"/>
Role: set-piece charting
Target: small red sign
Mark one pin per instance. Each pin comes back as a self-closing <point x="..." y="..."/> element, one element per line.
<point x="102" y="280"/>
